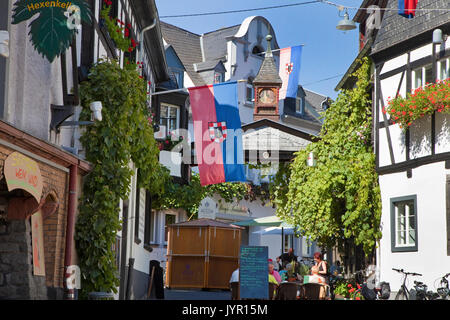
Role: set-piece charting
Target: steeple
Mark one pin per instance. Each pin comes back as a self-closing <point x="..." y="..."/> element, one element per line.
<point x="268" y="73"/>
<point x="267" y="85"/>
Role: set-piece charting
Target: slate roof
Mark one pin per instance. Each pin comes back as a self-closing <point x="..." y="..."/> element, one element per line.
<point x="396" y="29"/>
<point x="187" y="47"/>
<point x="207" y="65"/>
<point x="268" y="73"/>
<point x="215" y="42"/>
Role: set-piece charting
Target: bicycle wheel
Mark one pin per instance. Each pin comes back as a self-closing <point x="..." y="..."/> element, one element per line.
<point x="401" y="295"/>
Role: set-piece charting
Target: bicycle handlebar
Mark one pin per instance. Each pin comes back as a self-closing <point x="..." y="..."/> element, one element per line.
<point x="407" y="273"/>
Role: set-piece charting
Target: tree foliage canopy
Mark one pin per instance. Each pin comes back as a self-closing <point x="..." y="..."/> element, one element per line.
<point x="339" y="197"/>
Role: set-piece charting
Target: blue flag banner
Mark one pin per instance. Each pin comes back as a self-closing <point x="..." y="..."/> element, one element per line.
<point x="217" y="133"/>
<point x="289" y="71"/>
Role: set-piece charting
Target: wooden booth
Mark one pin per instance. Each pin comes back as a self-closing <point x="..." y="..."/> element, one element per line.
<point x="202" y="253"/>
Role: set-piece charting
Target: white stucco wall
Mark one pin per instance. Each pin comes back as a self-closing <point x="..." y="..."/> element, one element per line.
<point x="431" y="260"/>
<point x="427" y="183"/>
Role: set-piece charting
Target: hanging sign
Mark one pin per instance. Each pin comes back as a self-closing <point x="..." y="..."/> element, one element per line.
<point x="207" y="209"/>
<point x="52" y="31"/>
<point x="37" y="234"/>
<point x="23" y="173"/>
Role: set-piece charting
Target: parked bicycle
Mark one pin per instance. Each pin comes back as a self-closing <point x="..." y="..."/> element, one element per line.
<point x="403" y="293"/>
<point x="443" y="291"/>
<point x="369" y="288"/>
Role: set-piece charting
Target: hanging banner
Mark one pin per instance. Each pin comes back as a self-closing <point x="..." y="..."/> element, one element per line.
<point x="52" y="31"/>
<point x="37" y="235"/>
<point x="23" y="173"/>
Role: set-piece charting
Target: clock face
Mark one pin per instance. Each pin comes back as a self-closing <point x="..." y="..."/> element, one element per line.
<point x="267" y="96"/>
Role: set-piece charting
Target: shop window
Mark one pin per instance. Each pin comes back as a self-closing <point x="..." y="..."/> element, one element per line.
<point x="404" y="224"/>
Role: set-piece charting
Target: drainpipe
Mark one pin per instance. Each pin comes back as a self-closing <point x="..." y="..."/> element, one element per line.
<point x="71" y="208"/>
<point x="141" y="39"/>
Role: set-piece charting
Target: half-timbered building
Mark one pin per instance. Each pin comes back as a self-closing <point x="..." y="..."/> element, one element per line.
<point x="413" y="163"/>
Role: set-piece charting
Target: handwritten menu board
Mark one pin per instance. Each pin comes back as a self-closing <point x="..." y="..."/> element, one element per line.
<point x="253" y="272"/>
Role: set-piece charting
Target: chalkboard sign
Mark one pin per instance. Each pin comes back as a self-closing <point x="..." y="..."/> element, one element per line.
<point x="253" y="272"/>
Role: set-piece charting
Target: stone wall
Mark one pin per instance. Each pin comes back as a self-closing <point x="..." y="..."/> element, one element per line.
<point x="16" y="265"/>
<point x="16" y="268"/>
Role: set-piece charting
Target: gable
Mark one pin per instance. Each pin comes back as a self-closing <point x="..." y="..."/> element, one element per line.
<point x="173" y="61"/>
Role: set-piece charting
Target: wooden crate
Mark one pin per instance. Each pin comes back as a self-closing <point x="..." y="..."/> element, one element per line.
<point x="202" y="253"/>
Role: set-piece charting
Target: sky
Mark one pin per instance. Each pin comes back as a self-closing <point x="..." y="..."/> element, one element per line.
<point x="327" y="52"/>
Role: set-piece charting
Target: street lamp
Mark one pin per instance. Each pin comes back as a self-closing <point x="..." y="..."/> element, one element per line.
<point x="345" y="24"/>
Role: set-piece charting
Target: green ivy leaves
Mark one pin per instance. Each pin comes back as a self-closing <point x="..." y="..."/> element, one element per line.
<point x="339" y="198"/>
<point x="123" y="136"/>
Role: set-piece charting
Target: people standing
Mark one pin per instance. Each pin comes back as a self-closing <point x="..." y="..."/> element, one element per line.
<point x="288" y="257"/>
<point x="321" y="265"/>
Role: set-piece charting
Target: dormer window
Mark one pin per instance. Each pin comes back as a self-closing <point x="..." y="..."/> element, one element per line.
<point x="299" y="105"/>
<point x="219" y="77"/>
<point x="257" y="50"/>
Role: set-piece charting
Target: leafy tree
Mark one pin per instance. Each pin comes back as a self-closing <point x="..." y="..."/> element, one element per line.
<point x="339" y="197"/>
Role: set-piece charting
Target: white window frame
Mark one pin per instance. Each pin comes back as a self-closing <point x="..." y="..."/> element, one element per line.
<point x="401" y="208"/>
<point x="422" y="72"/>
<point x="299" y="106"/>
<point x="406" y="229"/>
<point x="166" y="125"/>
<point x="446" y="63"/>
<point x="154" y="227"/>
<point x="221" y="75"/>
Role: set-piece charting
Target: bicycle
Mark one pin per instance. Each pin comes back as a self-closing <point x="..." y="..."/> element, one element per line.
<point x="382" y="291"/>
<point x="443" y="292"/>
<point x="404" y="293"/>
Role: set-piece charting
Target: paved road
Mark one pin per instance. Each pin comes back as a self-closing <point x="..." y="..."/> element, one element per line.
<point x="193" y="294"/>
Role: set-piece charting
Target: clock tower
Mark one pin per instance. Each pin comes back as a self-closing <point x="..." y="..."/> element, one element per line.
<point x="267" y="85"/>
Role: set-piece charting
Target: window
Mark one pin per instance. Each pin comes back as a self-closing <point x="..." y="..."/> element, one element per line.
<point x="404" y="224"/>
<point x="178" y="74"/>
<point x="288" y="242"/>
<point x="257" y="50"/>
<point x="306" y="247"/>
<point x="250" y="92"/>
<point x="169" y="219"/>
<point x="444" y="69"/>
<point x="169" y="118"/>
<point x="299" y="108"/>
<point x="219" y="77"/>
<point x="422" y="76"/>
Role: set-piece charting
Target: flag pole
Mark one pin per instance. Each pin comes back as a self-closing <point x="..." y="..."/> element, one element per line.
<point x="279" y="49"/>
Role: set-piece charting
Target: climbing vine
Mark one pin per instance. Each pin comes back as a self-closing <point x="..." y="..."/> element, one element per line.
<point x="339" y="197"/>
<point x="124" y="136"/>
<point x="189" y="196"/>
